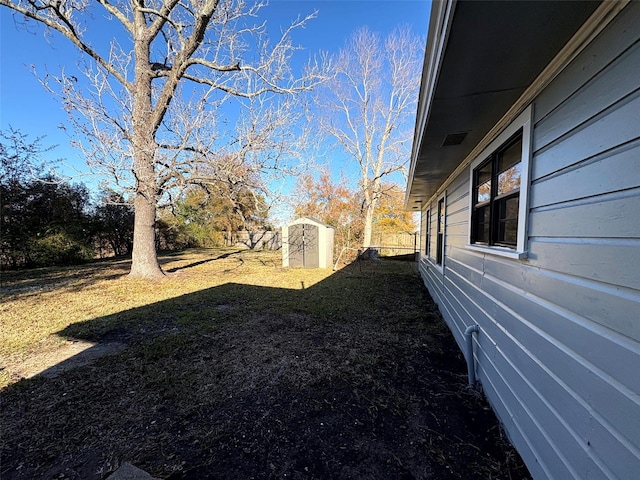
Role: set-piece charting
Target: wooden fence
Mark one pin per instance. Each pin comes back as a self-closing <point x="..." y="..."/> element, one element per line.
<point x="387" y="244"/>
<point x="269" y="240"/>
<point x="392" y="244"/>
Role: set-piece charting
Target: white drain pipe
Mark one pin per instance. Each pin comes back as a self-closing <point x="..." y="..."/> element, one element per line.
<point x="471" y="369"/>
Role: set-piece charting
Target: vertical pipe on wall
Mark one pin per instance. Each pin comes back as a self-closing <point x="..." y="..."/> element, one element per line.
<point x="471" y="368"/>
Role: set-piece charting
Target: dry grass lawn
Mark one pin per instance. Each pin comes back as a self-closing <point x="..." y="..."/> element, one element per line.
<point x="233" y="367"/>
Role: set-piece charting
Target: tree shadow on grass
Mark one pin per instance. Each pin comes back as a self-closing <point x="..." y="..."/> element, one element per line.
<point x="72" y="278"/>
<point x="202" y="262"/>
<point x="76" y="278"/>
<point x="354" y="377"/>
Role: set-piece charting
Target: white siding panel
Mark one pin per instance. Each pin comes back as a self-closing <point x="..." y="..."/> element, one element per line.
<point x="572" y="420"/>
<point x="623" y="31"/>
<point x="595" y="217"/>
<point x="617" y="81"/>
<point x="618" y="169"/>
<point x="617" y="125"/>
<point x="612" y="262"/>
<point x="608" y="306"/>
<point x="497" y="367"/>
<point x="469" y="258"/>
<point x="518" y="422"/>
<point x="457" y="213"/>
<point x="567" y="426"/>
<point x="572" y="364"/>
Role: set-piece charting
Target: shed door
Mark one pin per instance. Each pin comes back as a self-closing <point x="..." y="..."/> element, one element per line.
<point x="303" y="246"/>
<point x="311" y="250"/>
<point x="296" y="245"/>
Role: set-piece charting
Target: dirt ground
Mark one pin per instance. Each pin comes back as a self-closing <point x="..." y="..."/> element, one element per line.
<point x="318" y="388"/>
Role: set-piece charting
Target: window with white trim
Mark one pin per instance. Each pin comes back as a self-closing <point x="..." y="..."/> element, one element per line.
<point x="440" y="226"/>
<point x="499" y="191"/>
<point x="427" y="233"/>
<point x="496" y="194"/>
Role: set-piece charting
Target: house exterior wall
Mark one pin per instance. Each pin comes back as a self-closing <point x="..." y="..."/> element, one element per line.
<point x="558" y="353"/>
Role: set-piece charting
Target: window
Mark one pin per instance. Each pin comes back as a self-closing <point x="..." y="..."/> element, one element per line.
<point x="427" y="233"/>
<point x="440" y="232"/>
<point x="496" y="195"/>
<point x="499" y="186"/>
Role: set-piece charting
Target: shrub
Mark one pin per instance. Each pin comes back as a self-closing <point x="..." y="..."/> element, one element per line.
<point x="59" y="248"/>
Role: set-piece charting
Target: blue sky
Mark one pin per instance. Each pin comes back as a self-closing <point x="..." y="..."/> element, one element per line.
<point x="25" y="105"/>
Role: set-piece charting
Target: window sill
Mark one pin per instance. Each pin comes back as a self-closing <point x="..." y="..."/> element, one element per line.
<point x="499" y="251"/>
<point x="430" y="262"/>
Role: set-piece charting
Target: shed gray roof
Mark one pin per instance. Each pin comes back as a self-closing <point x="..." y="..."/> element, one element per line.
<point x="310" y="220"/>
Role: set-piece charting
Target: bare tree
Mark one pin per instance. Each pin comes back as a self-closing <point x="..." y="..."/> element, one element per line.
<point x="370" y="108"/>
<point x="150" y="109"/>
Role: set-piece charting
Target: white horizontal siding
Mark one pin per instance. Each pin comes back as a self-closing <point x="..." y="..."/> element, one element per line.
<point x="616" y="170"/>
<point x="559" y="345"/>
<point x="457" y="224"/>
<point x="613" y="83"/>
<point x="593" y="216"/>
<point x="611" y="129"/>
<point x="620" y="36"/>
<point x="611" y="261"/>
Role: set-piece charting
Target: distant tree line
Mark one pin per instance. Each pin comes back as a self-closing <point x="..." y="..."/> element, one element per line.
<point x="46" y="221"/>
<point x="335" y="203"/>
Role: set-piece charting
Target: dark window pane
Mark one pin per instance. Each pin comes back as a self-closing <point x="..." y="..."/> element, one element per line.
<point x="509" y="208"/>
<point x="482" y="233"/>
<point x="495" y="190"/>
<point x="509" y="157"/>
<point x="508" y="220"/>
<point x="427" y="232"/>
<point x="440" y="232"/>
<point x="508" y="232"/>
<point x="483" y="173"/>
<point x="482" y="224"/>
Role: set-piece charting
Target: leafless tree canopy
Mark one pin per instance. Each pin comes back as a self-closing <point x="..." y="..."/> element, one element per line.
<point x="370" y="106"/>
<point x="150" y="110"/>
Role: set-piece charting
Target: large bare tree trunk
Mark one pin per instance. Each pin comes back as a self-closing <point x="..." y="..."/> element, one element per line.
<point x="144" y="260"/>
<point x="368" y="225"/>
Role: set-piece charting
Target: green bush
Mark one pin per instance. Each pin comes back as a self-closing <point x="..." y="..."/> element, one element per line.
<point x="59" y="248"/>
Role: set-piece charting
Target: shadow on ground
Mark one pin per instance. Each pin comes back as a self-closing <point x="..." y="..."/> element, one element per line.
<point x="356" y="377"/>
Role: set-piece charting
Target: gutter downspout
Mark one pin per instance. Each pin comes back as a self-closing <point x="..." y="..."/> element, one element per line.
<point x="471" y="369"/>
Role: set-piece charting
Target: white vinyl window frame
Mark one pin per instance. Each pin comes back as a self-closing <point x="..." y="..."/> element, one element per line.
<point x="426" y="222"/>
<point x="438" y="245"/>
<point x="523" y="122"/>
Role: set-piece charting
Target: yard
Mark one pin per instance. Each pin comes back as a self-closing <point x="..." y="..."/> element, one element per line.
<point x="235" y="368"/>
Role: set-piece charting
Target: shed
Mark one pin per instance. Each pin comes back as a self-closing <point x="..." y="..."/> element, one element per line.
<point x="307" y="243"/>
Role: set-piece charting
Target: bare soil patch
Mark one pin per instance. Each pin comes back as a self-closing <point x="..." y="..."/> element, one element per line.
<point x="53" y="359"/>
<point x="353" y="377"/>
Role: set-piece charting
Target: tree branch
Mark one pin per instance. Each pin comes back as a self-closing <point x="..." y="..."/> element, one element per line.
<point x="67" y="29"/>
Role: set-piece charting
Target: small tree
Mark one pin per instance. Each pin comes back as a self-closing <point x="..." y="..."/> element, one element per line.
<point x="369" y="108"/>
<point x="201" y="216"/>
<point x="333" y="203"/>
<point x="156" y="89"/>
<point x="390" y="215"/>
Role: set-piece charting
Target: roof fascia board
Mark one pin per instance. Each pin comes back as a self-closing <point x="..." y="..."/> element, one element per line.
<point x="597" y="22"/>
<point x="440" y="21"/>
